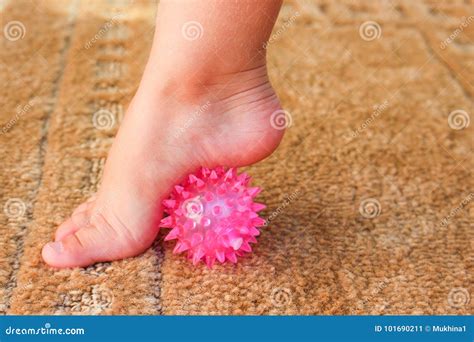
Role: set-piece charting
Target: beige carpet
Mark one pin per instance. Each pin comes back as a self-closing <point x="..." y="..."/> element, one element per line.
<point x="369" y="196"/>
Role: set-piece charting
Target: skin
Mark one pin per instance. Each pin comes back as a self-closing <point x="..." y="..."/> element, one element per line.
<point x="202" y="102"/>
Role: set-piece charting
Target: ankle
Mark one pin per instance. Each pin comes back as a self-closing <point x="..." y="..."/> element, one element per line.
<point x="208" y="86"/>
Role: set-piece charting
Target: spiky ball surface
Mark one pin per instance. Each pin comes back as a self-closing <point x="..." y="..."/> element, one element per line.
<point x="213" y="215"/>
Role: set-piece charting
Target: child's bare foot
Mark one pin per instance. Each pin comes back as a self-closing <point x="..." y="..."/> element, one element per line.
<point x="162" y="138"/>
<point x="204" y="100"/>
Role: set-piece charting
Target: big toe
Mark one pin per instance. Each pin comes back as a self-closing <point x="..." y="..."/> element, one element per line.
<point x="83" y="240"/>
<point x="83" y="247"/>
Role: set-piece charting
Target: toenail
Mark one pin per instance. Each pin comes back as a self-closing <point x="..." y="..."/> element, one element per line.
<point x="56" y="246"/>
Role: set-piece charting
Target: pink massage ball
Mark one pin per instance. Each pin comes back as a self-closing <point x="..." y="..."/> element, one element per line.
<point x="213" y="215"/>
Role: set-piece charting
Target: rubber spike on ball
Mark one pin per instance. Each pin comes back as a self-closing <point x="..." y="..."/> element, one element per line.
<point x="213" y="216"/>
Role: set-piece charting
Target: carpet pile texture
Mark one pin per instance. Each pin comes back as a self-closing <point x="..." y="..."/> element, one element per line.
<point x="369" y="195"/>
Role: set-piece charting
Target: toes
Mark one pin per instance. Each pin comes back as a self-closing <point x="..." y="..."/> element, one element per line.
<point x="77" y="221"/>
<point x="83" y="207"/>
<point x="79" y="218"/>
<point x="86" y="238"/>
<point x="66" y="228"/>
<point x="92" y="198"/>
<point x="81" y="248"/>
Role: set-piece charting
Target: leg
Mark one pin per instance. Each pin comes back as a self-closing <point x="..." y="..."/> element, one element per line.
<point x="204" y="101"/>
